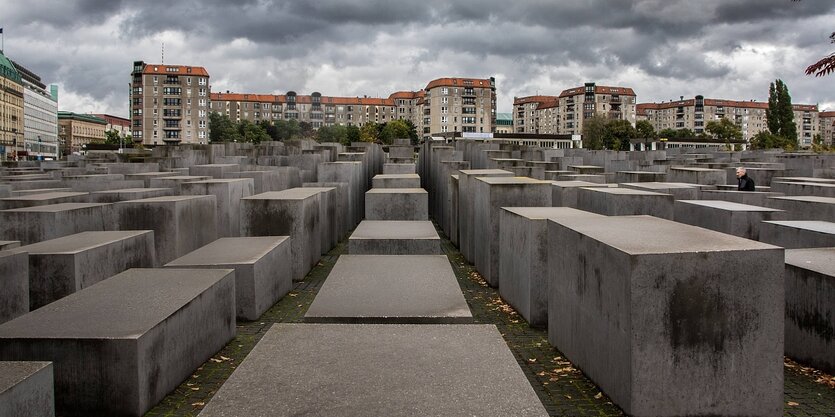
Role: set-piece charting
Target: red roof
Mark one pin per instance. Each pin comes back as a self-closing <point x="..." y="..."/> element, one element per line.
<point x="407" y="95"/>
<point x="114" y="120"/>
<point x="533" y="99"/>
<point x="826" y="114"/>
<point x="642" y="107"/>
<point x="301" y="99"/>
<point x="599" y="89"/>
<point x="180" y="70"/>
<point x="459" y="82"/>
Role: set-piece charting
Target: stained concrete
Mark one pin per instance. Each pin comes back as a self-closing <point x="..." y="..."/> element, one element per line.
<point x="398" y="168"/>
<point x="694" y="175"/>
<point x="466" y="197"/>
<point x="114" y="196"/>
<point x="396" y="204"/>
<point x="36" y="224"/>
<point x="679" y="190"/>
<point x="228" y="194"/>
<point x="396" y="181"/>
<point x="390" y="289"/>
<point x="753" y="198"/>
<point x="564" y="193"/>
<point x="723" y="216"/>
<point x="378" y="370"/>
<point x="669" y="319"/>
<point x="32" y="200"/>
<point x="797" y="234"/>
<point x="810" y="307"/>
<point x="624" y="202"/>
<point x="173" y="182"/>
<point x="216" y="171"/>
<point x="121" y="345"/>
<point x="804" y="207"/>
<point x="14" y="281"/>
<point x="62" y="266"/>
<point x="393" y="237"/>
<point x="26" y="389"/>
<point x="263" y="273"/>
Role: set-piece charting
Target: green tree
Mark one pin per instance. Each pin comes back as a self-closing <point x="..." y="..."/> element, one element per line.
<point x="618" y="134"/>
<point x="413" y="132"/>
<point x="352" y="133"/>
<point x="335" y="133"/>
<point x="395" y="129"/>
<point x="825" y="65"/>
<point x="222" y="129"/>
<point x="644" y="130"/>
<point x="306" y="130"/>
<point x="252" y="132"/>
<point x="369" y="132"/>
<point x="594" y="132"/>
<point x="725" y="130"/>
<point x="270" y="128"/>
<point x="780" y="114"/>
<point x="288" y="129"/>
<point x="111" y="137"/>
<point x="768" y="140"/>
<point x="676" y="133"/>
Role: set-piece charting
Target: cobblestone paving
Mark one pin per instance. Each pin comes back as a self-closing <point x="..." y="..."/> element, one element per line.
<point x="564" y="390"/>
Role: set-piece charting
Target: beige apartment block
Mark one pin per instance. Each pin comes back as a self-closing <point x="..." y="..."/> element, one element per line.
<point x="750" y="116"/>
<point x="11" y="109"/>
<point x="76" y="130"/>
<point x="527" y="112"/>
<point x="827" y="127"/>
<point x="169" y="103"/>
<point x="458" y="105"/>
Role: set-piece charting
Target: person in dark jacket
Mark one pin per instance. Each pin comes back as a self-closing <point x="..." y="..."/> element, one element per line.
<point x="745" y="183"/>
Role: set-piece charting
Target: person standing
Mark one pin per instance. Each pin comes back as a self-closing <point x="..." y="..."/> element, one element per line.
<point x="744" y="182"/>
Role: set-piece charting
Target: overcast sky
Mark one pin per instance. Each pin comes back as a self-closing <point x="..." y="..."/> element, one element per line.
<point x="663" y="49"/>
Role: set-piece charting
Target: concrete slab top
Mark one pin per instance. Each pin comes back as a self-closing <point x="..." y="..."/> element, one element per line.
<point x="805" y="184"/>
<point x="124" y="306"/>
<point x="541" y="213"/>
<point x="13" y="373"/>
<point x="130" y="191"/>
<point x="9" y="244"/>
<point x="728" y="205"/>
<point x="230" y="251"/>
<point x="396" y="191"/>
<point x="643" y="235"/>
<point x="586" y="166"/>
<point x="810" y="225"/>
<point x="184" y="177"/>
<point x="390" y="288"/>
<point x="577" y="184"/>
<point x="511" y="180"/>
<point x="79" y="242"/>
<point x="396" y="176"/>
<point x="54" y="208"/>
<point x="149" y="174"/>
<point x="506" y="159"/>
<point x="44" y="196"/>
<point x="320" y="189"/>
<point x="299" y="193"/>
<point x="220" y="181"/>
<point x="216" y="165"/>
<point x="820" y="260"/>
<point x="624" y="191"/>
<point x="807" y="198"/>
<point x="804" y="179"/>
<point x="486" y="172"/>
<point x="696" y="169"/>
<point x="40" y="191"/>
<point x="378" y="370"/>
<point x="395" y="229"/>
<point x="165" y="199"/>
<point x="456" y="176"/>
<point x="641" y="172"/>
<point x="661" y="185"/>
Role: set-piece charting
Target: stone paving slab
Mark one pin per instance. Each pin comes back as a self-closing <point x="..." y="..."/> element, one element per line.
<point x="378" y="370"/>
<point x="390" y="289"/>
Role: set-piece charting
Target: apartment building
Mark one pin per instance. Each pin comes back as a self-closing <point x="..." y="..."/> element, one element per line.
<point x="458" y="105"/>
<point x="40" y="115"/>
<point x="826" y="121"/>
<point x="76" y="130"/>
<point x="750" y="116"/>
<point x="564" y="114"/>
<point x="119" y="124"/>
<point x="11" y="109"/>
<point x="169" y="103"/>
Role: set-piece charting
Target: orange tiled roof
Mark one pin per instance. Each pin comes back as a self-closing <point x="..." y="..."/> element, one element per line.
<point x="643" y="107"/>
<point x="407" y="95"/>
<point x="533" y="99"/>
<point x="458" y="82"/>
<point x="181" y="70"/>
<point x="827" y="114"/>
<point x="302" y="99"/>
<point x="599" y="89"/>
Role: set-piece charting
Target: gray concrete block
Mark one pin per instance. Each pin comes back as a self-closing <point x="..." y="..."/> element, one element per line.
<point x="280" y="178"/>
<point x="669" y="319"/>
<point x="396" y="204"/>
<point x="14" y="280"/>
<point x="466" y="197"/>
<point x="523" y="258"/>
<point x="679" y="190"/>
<point x="818" y="189"/>
<point x="26" y="389"/>
<point x="114" y="196"/>
<point x="640" y="176"/>
<point x="595" y="178"/>
<point x="341" y="221"/>
<point x="723" y="216"/>
<point x="804" y="207"/>
<point x="262" y="265"/>
<point x="398" y="168"/>
<point x="36" y="184"/>
<point x="392" y="237"/>
<point x="327" y="217"/>
<point x="120" y="346"/>
<point x="32" y="200"/>
<point x="753" y="198"/>
<point x="173" y="182"/>
<point x="373" y="370"/>
<point x="390" y="289"/>
<point x="36" y="224"/>
<point x="294" y="213"/>
<point x="5" y="190"/>
<point x="9" y="244"/>
<point x="181" y="224"/>
<point x="62" y="266"/>
<point x="216" y="171"/>
<point x="624" y="202"/>
<point x="564" y="193"/>
<point x="21" y="193"/>
<point x="148" y="176"/>
<point x="810" y="307"/>
<point x="696" y="175"/>
<point x="228" y="194"/>
<point x="396" y="181"/>
<point x="798" y="234"/>
<point x="491" y="194"/>
<point x="352" y="174"/>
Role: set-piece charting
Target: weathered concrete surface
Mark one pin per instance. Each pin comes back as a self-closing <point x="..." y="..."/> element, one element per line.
<point x="181" y="224"/>
<point x="491" y="194"/>
<point x="804" y="207"/>
<point x="669" y="319"/>
<point x="818" y="189"/>
<point x="36" y="224"/>
<point x="294" y="213"/>
<point x="723" y="216"/>
<point x="392" y="237"/>
<point x="14" y="281"/>
<point x="798" y="234"/>
<point x="390" y="289"/>
<point x="21" y="193"/>
<point x="340" y="221"/>
<point x="120" y="346"/>
<point x="398" y="168"/>
<point x="32" y="200"/>
<point x="216" y="171"/>
<point x="147" y="176"/>
<point x="639" y="176"/>
<point x="373" y="370"/>
<point x="397" y="204"/>
<point x="753" y="198"/>
<point x="62" y="266"/>
<point x="352" y="174"/>
<point x="523" y="258"/>
<point x="466" y="197"/>
<point x="624" y="202"/>
<point x="9" y="244"/>
<point x="263" y="273"/>
<point x="679" y="190"/>
<point x="114" y="196"/>
<point x="280" y="178"/>
<point x="564" y="193"/>
<point x="228" y="194"/>
<point x="173" y="182"/>
<point x="327" y="217"/>
<point x="694" y="175"/>
<point x="26" y="389"/>
<point x="396" y="181"/>
<point x="810" y="307"/>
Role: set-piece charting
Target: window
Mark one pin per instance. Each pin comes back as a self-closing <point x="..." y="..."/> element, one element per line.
<point x="444" y="91"/>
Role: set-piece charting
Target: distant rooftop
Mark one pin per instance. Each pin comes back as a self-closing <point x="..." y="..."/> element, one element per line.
<point x="79" y="116"/>
<point x="504" y="119"/>
<point x="8" y="70"/>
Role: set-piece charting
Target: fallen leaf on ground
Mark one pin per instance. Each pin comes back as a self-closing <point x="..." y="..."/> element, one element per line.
<point x="793" y="404"/>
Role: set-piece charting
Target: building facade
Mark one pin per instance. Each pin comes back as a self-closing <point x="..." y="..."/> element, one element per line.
<point x="458" y="105"/>
<point x="119" y="124"/>
<point x="504" y="122"/>
<point x="11" y="110"/>
<point x="169" y="103"/>
<point x="76" y="130"/>
<point x="750" y="116"/>
<point x="40" y="116"/>
<point x="564" y="114"/>
<point x="826" y="127"/>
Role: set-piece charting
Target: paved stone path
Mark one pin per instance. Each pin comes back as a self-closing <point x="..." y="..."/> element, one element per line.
<point x="563" y="390"/>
